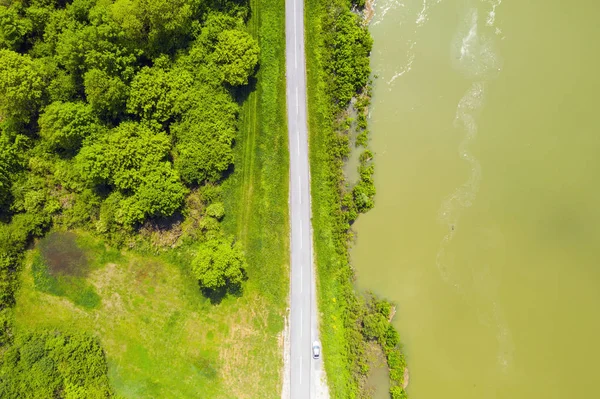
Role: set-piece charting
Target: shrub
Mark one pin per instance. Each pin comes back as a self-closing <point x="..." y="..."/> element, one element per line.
<point x="218" y="263"/>
<point x="42" y="364"/>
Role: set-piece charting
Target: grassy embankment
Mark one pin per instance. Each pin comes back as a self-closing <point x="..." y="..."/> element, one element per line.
<point x="162" y="338"/>
<point x="257" y="192"/>
<point x="324" y="200"/>
<point x="338" y="47"/>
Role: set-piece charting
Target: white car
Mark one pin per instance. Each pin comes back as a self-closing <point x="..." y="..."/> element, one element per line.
<point x="316" y="350"/>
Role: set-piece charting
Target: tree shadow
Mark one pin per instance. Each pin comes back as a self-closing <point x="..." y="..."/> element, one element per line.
<point x="242" y="93"/>
<point x="164" y="223"/>
<point x="5" y="213"/>
<point x="229" y="171"/>
<point x="233" y="7"/>
<point x="216" y="296"/>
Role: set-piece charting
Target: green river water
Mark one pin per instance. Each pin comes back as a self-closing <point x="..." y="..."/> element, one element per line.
<point x="486" y="228"/>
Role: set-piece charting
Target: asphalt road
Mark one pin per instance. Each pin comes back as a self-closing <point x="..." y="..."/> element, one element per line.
<point x="303" y="317"/>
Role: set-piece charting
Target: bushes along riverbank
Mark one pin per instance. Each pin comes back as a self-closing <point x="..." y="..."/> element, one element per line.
<point x="338" y="49"/>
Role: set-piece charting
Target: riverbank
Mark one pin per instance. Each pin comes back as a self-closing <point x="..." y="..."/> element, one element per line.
<point x="336" y="79"/>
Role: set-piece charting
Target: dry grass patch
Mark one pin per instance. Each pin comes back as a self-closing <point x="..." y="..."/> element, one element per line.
<point x="248" y="325"/>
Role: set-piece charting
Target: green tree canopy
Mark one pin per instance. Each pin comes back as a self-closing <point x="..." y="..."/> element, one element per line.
<point x="236" y="53"/>
<point x="160" y="26"/>
<point x="99" y="44"/>
<point x="205" y="136"/>
<point x="62" y="86"/>
<point x="375" y="326"/>
<point x="159" y="95"/>
<point x="120" y="157"/>
<point x="350" y="46"/>
<point x="132" y="159"/>
<point x="107" y="95"/>
<point x="21" y="85"/>
<point x="7" y="162"/>
<point x="216" y="210"/>
<point x="214" y="24"/>
<point x="159" y="194"/>
<point x="65" y="125"/>
<point x="13" y="27"/>
<point x="219" y="262"/>
<point x="42" y="364"/>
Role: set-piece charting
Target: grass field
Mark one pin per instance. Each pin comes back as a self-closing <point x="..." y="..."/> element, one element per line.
<point x="256" y="194"/>
<point x="162" y="338"/>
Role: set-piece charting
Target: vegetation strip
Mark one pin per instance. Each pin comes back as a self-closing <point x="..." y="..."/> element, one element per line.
<point x="257" y="190"/>
<point x="338" y="48"/>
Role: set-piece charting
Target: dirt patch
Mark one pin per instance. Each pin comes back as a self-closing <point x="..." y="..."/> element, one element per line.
<point x="63" y="256"/>
<point x="143" y="273"/>
<point x="283" y="341"/>
<point x="163" y="233"/>
<point x="392" y="313"/>
<point x="369" y="11"/>
<point x="105" y="277"/>
<point x="105" y="281"/>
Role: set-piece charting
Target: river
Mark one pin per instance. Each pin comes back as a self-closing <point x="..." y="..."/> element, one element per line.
<point x="486" y="228"/>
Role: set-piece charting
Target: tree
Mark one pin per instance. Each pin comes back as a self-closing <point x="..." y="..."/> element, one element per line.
<point x="98" y="45"/>
<point x="62" y="86"/>
<point x="237" y="55"/>
<point x="364" y="191"/>
<point x="107" y="47"/>
<point x="132" y="159"/>
<point x="392" y="338"/>
<point x="159" y="95"/>
<point x="160" y="193"/>
<point x="6" y="169"/>
<point x="107" y="95"/>
<point x="65" y="125"/>
<point x="219" y="262"/>
<point x="216" y="210"/>
<point x="13" y="28"/>
<point x="375" y="326"/>
<point x="121" y="157"/>
<point x="71" y="46"/>
<point x="160" y="26"/>
<point x="205" y="136"/>
<point x="396" y="392"/>
<point x="41" y="364"/>
<point x="21" y="85"/>
<point x="348" y="45"/>
<point x="206" y="158"/>
<point x="214" y="24"/>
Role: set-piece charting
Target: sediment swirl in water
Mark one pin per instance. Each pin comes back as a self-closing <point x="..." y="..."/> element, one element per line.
<point x="473" y="54"/>
<point x="473" y="51"/>
<point x="419" y="21"/>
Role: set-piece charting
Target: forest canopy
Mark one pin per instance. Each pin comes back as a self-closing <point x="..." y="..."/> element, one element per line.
<point x="114" y="114"/>
<point x="131" y="101"/>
